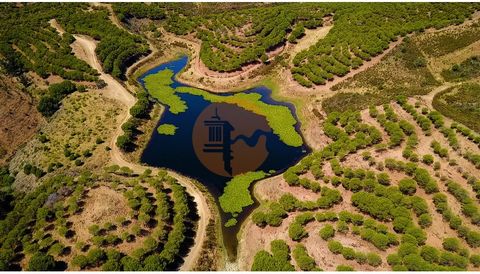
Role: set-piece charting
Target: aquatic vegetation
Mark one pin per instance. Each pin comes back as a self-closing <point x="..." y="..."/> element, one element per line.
<point x="236" y="195"/>
<point x="279" y="118"/>
<point x="158" y="85"/>
<point x="167" y="129"/>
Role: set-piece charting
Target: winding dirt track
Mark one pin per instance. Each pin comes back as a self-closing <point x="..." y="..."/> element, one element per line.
<point x="84" y="48"/>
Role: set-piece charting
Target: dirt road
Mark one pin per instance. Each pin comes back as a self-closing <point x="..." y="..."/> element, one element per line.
<point x="84" y="48"/>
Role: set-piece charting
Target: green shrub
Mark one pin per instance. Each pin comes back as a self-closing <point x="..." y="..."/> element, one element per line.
<point x="429" y="254"/>
<point x="41" y="262"/>
<point x="475" y="260"/>
<point x="407" y="186"/>
<point x="344" y="268"/>
<point x="394" y="259"/>
<point x="373" y="259"/>
<point x="304" y="261"/>
<point x="327" y="232"/>
<point x="451" y="244"/>
<point x="335" y="247"/>
<point x="348" y="253"/>
<point x="279" y="260"/>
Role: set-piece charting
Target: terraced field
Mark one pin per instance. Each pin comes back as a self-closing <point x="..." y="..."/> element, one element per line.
<point x="386" y="96"/>
<point x="396" y="187"/>
<point x="102" y="222"/>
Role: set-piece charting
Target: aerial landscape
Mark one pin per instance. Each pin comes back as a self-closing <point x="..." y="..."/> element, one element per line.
<point x="240" y="136"/>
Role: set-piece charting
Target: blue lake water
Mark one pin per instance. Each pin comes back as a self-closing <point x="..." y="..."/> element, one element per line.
<point x="176" y="152"/>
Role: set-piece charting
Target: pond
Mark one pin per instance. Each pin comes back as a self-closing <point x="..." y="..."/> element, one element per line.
<point x="211" y="140"/>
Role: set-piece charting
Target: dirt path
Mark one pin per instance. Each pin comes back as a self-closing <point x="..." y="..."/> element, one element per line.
<point x="428" y="99"/>
<point x="84" y="48"/>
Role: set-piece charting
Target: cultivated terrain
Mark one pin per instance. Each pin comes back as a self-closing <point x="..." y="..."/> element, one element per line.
<point x="387" y="96"/>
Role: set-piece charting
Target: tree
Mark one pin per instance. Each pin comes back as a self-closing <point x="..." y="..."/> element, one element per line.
<point x="429" y="254"/>
<point x="304" y="261"/>
<point x="400" y="224"/>
<point x="296" y="231"/>
<point x="327" y="232"/>
<point x="414" y="262"/>
<point x="451" y="244"/>
<point x="41" y="262"/>
<point x="154" y="263"/>
<point x="383" y="178"/>
<point x="428" y="159"/>
<point x="124" y="142"/>
<point x="407" y="186"/>
<point x="373" y="259"/>
<point x="278" y="261"/>
<point x="425" y="220"/>
<point x="263" y="261"/>
<point x="96" y="256"/>
<point x="335" y="247"/>
<point x="475" y="260"/>
<point x="348" y="253"/>
<point x="80" y="261"/>
<point x="130" y="264"/>
<point x="394" y="259"/>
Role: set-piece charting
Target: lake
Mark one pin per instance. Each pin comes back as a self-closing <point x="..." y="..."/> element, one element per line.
<point x="214" y="141"/>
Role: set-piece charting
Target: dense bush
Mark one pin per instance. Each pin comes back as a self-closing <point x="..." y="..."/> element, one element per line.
<point x="304" y="261"/>
<point x="328" y="56"/>
<point x="41" y="262"/>
<point x="439" y="150"/>
<point x="451" y="244"/>
<point x="378" y="207"/>
<point x="296" y="231"/>
<point x="407" y="186"/>
<point x="279" y="260"/>
<point x="327" y="232"/>
<point x="50" y="102"/>
<point x="428" y="159"/>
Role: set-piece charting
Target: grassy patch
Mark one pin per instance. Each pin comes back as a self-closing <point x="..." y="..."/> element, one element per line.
<point x="462" y="104"/>
<point x="401" y="72"/>
<point x="279" y="118"/>
<point x="158" y="85"/>
<point x="447" y="41"/>
<point x="167" y="129"/>
<point x="236" y="195"/>
<point x="468" y="69"/>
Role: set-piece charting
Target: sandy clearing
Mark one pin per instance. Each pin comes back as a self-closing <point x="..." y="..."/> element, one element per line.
<point x="311" y="37"/>
<point x="84" y="48"/>
<point x="102" y="205"/>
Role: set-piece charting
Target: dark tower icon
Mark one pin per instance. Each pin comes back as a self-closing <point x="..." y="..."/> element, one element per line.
<point x="219" y="139"/>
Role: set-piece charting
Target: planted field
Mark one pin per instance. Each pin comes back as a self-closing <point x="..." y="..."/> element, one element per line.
<point x="34" y="45"/>
<point x="461" y="103"/>
<point x="380" y="195"/>
<point x="105" y="222"/>
<point x="402" y="72"/>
